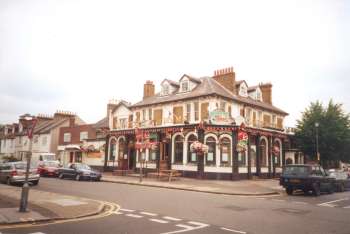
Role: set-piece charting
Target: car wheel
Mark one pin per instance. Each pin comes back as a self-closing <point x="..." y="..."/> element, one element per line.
<point x="316" y="190"/>
<point x="8" y="181"/>
<point x="77" y="177"/>
<point x="60" y="176"/>
<point x="36" y="182"/>
<point x="289" y="190"/>
<point x="305" y="191"/>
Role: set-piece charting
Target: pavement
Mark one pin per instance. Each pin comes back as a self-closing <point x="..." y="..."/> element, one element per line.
<point x="44" y="206"/>
<point x="259" y="187"/>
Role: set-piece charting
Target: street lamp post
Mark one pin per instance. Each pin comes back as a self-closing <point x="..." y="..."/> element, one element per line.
<point x="317" y="154"/>
<point x="30" y="121"/>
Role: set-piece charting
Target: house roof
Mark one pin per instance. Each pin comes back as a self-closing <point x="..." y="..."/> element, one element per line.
<point x="122" y="102"/>
<point x="103" y="123"/>
<point x="207" y="87"/>
<point x="191" y="78"/>
<point x="46" y="127"/>
<point x="252" y="88"/>
<point x="171" y="82"/>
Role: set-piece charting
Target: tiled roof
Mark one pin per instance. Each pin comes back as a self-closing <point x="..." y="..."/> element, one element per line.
<point x="207" y="87"/>
<point x="252" y="88"/>
<point x="45" y="127"/>
<point x="173" y="83"/>
<point x="103" y="123"/>
<point x="122" y="102"/>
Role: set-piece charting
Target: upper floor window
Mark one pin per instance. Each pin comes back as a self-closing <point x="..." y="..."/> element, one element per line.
<point x="223" y="106"/>
<point x="67" y="137"/>
<point x="83" y="136"/>
<point x="188" y="112"/>
<point x="143" y="114"/>
<point x="165" y="89"/>
<point x="35" y="139"/>
<point x="149" y="114"/>
<point x="243" y="90"/>
<point x="258" y="95"/>
<point x="185" y="86"/>
<point x="196" y="111"/>
<point x="44" y="140"/>
<point x="123" y="123"/>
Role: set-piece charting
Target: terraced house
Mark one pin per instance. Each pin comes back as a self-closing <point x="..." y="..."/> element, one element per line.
<point x="212" y="110"/>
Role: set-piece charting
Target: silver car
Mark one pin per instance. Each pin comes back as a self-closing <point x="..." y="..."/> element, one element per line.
<point x="14" y="172"/>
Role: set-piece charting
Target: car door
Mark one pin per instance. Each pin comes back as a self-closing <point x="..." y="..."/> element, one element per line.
<point x="325" y="181"/>
<point x="71" y="171"/>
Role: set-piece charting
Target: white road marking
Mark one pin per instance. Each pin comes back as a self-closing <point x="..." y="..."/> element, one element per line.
<point x="117" y="213"/>
<point x="126" y="210"/>
<point x="134" y="216"/>
<point x="171" y="218"/>
<point x="147" y="213"/>
<point x="34" y="233"/>
<point x="231" y="230"/>
<point x="279" y="200"/>
<point x="329" y="204"/>
<point x="346" y="207"/>
<point x="187" y="228"/>
<point x="158" y="220"/>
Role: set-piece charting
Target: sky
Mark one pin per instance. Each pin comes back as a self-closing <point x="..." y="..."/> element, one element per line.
<point x="77" y="55"/>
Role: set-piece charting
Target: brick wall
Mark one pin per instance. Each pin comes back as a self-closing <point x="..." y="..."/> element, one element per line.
<point x="75" y="133"/>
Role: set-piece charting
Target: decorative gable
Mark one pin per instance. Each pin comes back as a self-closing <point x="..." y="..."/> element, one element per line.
<point x="188" y="83"/>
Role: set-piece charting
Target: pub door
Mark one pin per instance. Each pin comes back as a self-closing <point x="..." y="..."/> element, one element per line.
<point x="164" y="156"/>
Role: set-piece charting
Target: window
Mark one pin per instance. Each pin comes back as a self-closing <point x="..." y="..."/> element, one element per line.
<point x="223" y="106"/>
<point x="196" y="111"/>
<point x="258" y="95"/>
<point x="192" y="156"/>
<point x="242" y="159"/>
<point x="204" y="111"/>
<point x="230" y="111"/>
<point x="247" y="115"/>
<point x="188" y="112"/>
<point x="44" y="140"/>
<point x="263" y="154"/>
<point x="83" y="136"/>
<point x="165" y="89"/>
<point x="274" y="120"/>
<point x="179" y="145"/>
<point x="149" y="114"/>
<point x="66" y="137"/>
<point x="225" y="151"/>
<point x="123" y="123"/>
<point x="35" y="139"/>
<point x="211" y="143"/>
<point x="185" y="86"/>
<point x="143" y="115"/>
<point x="115" y="122"/>
<point x="153" y="155"/>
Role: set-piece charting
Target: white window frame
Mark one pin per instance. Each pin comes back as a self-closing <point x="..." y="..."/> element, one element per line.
<point x="183" y="86"/>
<point x="67" y="137"/>
<point x="82" y="135"/>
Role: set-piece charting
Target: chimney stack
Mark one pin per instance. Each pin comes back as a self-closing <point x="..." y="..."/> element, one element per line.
<point x="227" y="78"/>
<point x="148" y="89"/>
<point x="266" y="90"/>
<point x="63" y="114"/>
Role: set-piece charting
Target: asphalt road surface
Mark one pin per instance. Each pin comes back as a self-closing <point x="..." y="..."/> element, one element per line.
<point x="155" y="210"/>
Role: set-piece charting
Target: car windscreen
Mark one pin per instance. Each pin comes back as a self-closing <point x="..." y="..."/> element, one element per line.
<point x="83" y="167"/>
<point x="295" y="170"/>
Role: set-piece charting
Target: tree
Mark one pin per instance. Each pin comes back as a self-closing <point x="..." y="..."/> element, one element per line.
<point x="333" y="133"/>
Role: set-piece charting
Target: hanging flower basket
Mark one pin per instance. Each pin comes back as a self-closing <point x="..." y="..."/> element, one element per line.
<point x="198" y="147"/>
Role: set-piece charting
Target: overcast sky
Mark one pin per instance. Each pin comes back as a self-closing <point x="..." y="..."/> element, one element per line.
<point x="76" y="55"/>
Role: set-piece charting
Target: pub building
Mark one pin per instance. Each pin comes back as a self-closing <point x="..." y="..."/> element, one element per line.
<point x="241" y="127"/>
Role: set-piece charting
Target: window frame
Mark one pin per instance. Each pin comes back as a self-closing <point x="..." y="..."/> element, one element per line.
<point x="67" y="137"/>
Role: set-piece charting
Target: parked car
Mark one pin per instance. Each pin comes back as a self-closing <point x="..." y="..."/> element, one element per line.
<point x="48" y="168"/>
<point x="342" y="179"/>
<point x="79" y="171"/>
<point x="14" y="172"/>
<point x="306" y="178"/>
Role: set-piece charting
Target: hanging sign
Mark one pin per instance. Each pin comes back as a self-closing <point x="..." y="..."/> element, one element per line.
<point x="220" y="117"/>
<point x="242" y="139"/>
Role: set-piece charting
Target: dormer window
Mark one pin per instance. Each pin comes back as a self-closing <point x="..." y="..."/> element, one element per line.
<point x="185" y="86"/>
<point x="165" y="89"/>
<point x="243" y="90"/>
<point x="258" y="95"/>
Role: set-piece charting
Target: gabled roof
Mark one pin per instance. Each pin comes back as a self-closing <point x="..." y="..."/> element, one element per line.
<point x="171" y="82"/>
<point x="253" y="88"/>
<point x="122" y="102"/>
<point x="191" y="78"/>
<point x="239" y="82"/>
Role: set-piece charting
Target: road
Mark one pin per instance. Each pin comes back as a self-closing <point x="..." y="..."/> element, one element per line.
<point x="155" y="210"/>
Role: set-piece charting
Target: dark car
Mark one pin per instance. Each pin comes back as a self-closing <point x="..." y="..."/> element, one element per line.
<point x="14" y="173"/>
<point x="79" y="171"/>
<point x="342" y="179"/>
<point x="48" y="168"/>
<point x="306" y="178"/>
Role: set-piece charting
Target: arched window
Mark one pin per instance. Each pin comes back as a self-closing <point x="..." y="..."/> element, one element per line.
<point x="225" y="151"/>
<point x="211" y="155"/>
<point x="179" y="149"/>
<point x="191" y="156"/>
<point x="252" y="157"/>
<point x="121" y="148"/>
<point x="112" y="149"/>
<point x="263" y="154"/>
